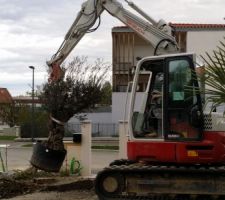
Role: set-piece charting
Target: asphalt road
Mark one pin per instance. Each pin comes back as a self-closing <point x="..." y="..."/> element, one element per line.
<point x="18" y="157"/>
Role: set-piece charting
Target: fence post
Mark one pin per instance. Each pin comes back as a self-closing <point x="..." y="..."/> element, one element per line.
<point x="123" y="138"/>
<point x="114" y="130"/>
<point x="98" y="130"/>
<point x="86" y="148"/>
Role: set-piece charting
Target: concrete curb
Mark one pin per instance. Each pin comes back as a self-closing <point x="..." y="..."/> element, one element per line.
<point x="94" y="139"/>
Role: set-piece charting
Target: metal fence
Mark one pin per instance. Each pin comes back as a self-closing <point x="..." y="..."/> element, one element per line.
<point x="98" y="129"/>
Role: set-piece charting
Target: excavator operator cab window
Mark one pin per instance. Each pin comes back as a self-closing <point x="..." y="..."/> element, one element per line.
<point x="180" y="79"/>
<point x="183" y="113"/>
<point x="155" y="106"/>
<point x="147" y="123"/>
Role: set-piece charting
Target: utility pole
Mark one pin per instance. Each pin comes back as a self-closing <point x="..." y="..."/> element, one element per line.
<point x="32" y="112"/>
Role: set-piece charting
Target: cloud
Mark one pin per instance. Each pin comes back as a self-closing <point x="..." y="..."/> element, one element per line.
<point x="20" y="83"/>
<point x="32" y="31"/>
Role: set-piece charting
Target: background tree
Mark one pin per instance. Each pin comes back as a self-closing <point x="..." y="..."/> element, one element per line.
<point x="8" y="113"/>
<point x="106" y="98"/>
<point x="79" y="89"/>
<point x="19" y="114"/>
<point x="25" y="121"/>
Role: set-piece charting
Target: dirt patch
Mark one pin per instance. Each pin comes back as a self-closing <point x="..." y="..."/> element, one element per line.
<point x="10" y="188"/>
<point x="23" y="183"/>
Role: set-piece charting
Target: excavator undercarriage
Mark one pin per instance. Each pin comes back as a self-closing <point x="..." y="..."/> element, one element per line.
<point x="161" y="182"/>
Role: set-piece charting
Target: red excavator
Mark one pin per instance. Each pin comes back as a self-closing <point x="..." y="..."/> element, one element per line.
<point x="175" y="151"/>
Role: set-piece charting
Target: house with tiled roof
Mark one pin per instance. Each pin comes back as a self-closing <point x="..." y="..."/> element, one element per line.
<point x="128" y="47"/>
<point x="198" y="38"/>
<point x="5" y="98"/>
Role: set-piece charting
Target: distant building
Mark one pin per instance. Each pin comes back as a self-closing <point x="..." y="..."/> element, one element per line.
<point x="5" y="98"/>
<point x="128" y="47"/>
<point x="27" y="100"/>
<point x="198" y="38"/>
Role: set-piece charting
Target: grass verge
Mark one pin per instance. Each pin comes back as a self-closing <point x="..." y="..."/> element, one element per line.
<point x="27" y="145"/>
<point x="105" y="147"/>
<point x="8" y="137"/>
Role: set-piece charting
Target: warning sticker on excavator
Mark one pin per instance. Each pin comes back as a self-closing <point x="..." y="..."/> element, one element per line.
<point x="192" y="153"/>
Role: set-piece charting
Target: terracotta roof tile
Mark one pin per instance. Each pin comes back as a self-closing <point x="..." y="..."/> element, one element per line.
<point x="5" y="96"/>
<point x="187" y="26"/>
<point x="197" y="26"/>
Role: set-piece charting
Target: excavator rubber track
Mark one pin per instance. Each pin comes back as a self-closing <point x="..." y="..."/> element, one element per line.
<point x="138" y="181"/>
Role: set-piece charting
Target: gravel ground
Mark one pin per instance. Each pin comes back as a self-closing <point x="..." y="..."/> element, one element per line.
<point x="70" y="195"/>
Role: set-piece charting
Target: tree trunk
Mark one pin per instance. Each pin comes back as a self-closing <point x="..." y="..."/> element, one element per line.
<point x="56" y="134"/>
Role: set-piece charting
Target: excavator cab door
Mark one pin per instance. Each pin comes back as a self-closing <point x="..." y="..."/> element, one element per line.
<point x="183" y="118"/>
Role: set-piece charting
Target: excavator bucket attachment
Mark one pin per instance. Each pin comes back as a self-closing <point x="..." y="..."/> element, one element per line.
<point x="56" y="73"/>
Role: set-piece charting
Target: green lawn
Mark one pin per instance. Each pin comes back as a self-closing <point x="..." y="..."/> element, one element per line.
<point x="27" y="145"/>
<point x="105" y="147"/>
<point x="7" y="137"/>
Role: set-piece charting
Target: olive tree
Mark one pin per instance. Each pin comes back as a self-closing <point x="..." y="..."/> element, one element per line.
<point x="80" y="88"/>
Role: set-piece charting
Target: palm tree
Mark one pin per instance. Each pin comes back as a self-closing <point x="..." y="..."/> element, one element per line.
<point x="214" y="76"/>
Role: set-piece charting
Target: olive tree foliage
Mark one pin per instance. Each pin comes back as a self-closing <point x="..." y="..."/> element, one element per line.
<point x="214" y="76"/>
<point x="79" y="89"/>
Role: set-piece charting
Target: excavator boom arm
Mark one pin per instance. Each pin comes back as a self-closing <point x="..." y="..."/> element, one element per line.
<point x="86" y="18"/>
<point x="91" y="11"/>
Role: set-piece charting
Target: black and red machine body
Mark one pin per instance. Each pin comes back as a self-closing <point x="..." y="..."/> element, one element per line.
<point x="174" y="149"/>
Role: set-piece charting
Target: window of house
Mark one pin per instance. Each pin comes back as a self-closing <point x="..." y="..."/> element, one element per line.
<point x="121" y="88"/>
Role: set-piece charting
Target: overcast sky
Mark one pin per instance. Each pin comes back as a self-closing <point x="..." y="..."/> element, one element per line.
<point x="32" y="30"/>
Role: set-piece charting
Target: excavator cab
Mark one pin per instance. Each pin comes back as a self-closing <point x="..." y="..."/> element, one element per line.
<point x="171" y="107"/>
